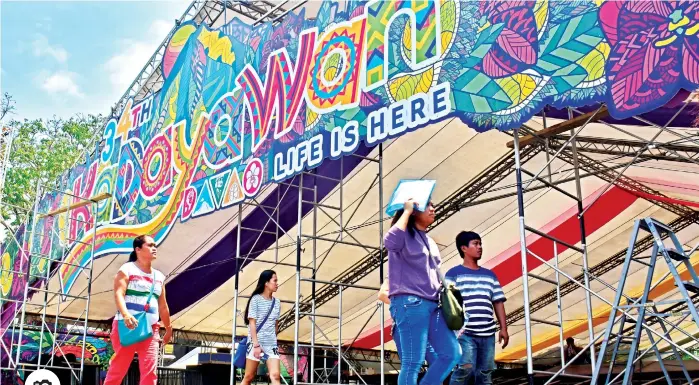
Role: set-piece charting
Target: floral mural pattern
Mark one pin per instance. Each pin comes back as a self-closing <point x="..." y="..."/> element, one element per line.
<point x="236" y="97"/>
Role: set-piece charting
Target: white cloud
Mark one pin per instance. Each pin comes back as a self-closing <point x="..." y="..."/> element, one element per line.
<point x="42" y="47"/>
<point x="125" y="66"/>
<point x="61" y="82"/>
<point x="133" y="55"/>
<point x="160" y="28"/>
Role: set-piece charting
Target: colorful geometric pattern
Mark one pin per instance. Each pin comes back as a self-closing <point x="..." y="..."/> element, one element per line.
<point x="381" y="14"/>
<point x="98" y="348"/>
<point x="241" y="94"/>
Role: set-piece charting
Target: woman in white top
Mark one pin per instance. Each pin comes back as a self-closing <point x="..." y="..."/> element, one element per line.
<point x="261" y="316"/>
<point x="132" y="293"/>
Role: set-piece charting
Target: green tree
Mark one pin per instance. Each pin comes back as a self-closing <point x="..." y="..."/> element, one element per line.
<point x="7" y="106"/>
<point x="42" y="150"/>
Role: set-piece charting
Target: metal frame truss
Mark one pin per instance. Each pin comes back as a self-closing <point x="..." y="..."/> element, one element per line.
<point x="526" y="145"/>
<point x="558" y="145"/>
<point x="257" y="9"/>
<point x="443" y="211"/>
<point x="607" y="146"/>
<point x="555" y="144"/>
<point x="614" y="147"/>
<point x="340" y="229"/>
<point x="569" y="149"/>
<point x="470" y="193"/>
<point x="48" y="241"/>
<point x="148" y="81"/>
<point x="207" y="12"/>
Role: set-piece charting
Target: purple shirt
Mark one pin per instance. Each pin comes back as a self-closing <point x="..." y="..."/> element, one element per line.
<point x="409" y="270"/>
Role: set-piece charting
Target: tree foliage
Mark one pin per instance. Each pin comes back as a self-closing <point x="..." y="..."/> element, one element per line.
<point x="42" y="150"/>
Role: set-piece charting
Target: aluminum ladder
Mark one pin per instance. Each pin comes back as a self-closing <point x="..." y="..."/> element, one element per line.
<point x="640" y="313"/>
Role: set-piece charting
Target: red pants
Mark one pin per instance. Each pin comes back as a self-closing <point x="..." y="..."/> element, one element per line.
<point x="123" y="355"/>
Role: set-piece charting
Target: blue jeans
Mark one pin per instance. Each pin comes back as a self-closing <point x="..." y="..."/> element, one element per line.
<point x="418" y="322"/>
<point x="477" y="360"/>
<point x="430" y="355"/>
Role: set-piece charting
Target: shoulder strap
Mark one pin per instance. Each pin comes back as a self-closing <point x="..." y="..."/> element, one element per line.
<point x="433" y="261"/>
<point x="274" y="302"/>
<point x="152" y="288"/>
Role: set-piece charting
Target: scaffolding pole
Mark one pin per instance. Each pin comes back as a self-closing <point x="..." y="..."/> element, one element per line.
<point x="48" y="242"/>
<point x="571" y="125"/>
<point x="566" y="149"/>
<point x="11" y="309"/>
<point x="342" y="236"/>
<point x="338" y="229"/>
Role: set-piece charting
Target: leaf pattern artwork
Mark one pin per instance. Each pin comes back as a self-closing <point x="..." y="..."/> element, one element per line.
<point x="654" y="52"/>
<point x="181" y="152"/>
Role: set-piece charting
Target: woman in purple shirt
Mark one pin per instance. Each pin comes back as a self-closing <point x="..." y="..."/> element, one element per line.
<point x="413" y="288"/>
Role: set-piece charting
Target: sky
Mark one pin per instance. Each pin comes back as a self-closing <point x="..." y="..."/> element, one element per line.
<point x="61" y="58"/>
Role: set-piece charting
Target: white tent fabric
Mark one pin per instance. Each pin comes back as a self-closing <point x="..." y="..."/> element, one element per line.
<point x="453" y="154"/>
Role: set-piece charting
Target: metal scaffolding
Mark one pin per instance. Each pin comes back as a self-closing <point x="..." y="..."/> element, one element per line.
<point x="444" y="210"/>
<point x="44" y="264"/>
<point x="339" y="230"/>
<point x="569" y="149"/>
<point x="11" y="309"/>
<point x="527" y="144"/>
<point x="556" y="144"/>
<point x="50" y="237"/>
<point x="525" y="252"/>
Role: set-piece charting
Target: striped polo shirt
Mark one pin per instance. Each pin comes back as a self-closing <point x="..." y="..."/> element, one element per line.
<point x="480" y="289"/>
<point x="138" y="290"/>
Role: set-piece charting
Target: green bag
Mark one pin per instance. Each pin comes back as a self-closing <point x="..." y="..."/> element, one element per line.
<point x="450" y="299"/>
<point x="451" y="302"/>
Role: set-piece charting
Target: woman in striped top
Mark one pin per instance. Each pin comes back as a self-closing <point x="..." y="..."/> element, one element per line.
<point x="262" y="317"/>
<point x="132" y="287"/>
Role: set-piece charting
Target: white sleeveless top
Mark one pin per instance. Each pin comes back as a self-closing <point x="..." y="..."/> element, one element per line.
<point x="138" y="290"/>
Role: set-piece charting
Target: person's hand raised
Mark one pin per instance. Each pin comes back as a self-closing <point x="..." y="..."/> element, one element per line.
<point x="409" y="206"/>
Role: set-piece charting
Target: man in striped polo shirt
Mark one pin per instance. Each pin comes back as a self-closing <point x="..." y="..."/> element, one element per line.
<point x="484" y="300"/>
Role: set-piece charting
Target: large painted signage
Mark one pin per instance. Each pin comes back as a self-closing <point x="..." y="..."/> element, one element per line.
<point x="244" y="106"/>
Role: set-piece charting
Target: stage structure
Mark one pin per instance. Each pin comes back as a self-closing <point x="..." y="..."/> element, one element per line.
<point x="49" y="241"/>
<point x="335" y="230"/>
<point x="14" y="242"/>
<point x="29" y="314"/>
<point x="567" y="151"/>
<point x="227" y="112"/>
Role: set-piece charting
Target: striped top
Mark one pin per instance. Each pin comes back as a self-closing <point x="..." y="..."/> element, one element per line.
<point x="259" y="308"/>
<point x="480" y="289"/>
<point x="138" y="290"/>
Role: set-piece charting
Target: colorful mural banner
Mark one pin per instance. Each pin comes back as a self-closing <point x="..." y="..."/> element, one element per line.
<point x="242" y="106"/>
<point x="98" y="348"/>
